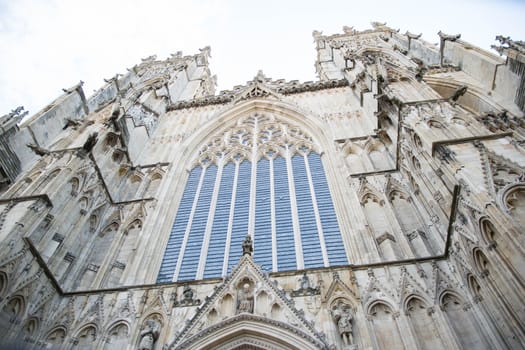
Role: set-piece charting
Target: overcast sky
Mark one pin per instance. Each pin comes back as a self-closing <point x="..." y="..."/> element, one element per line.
<point x="48" y="45"/>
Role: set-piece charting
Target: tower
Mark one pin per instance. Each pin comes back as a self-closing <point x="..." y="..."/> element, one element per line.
<point x="379" y="207"/>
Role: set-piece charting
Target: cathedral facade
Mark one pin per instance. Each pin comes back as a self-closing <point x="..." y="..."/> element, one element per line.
<point x="380" y="207"/>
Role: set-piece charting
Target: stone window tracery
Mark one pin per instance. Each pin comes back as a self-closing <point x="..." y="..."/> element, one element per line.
<point x="264" y="177"/>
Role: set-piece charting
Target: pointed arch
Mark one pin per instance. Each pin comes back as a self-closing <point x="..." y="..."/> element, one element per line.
<point x="56" y="337"/>
<point x="385" y="328"/>
<point x="283" y="174"/>
<point x="86" y="336"/>
<point x="424" y="326"/>
<point x="246" y="329"/>
<point x="461" y="321"/>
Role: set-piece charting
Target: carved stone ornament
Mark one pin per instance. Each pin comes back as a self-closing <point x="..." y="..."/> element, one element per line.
<point x="149" y="335"/>
<point x="305" y="288"/>
<point x="247" y="246"/>
<point x="343" y="316"/>
<point x="245" y="298"/>
<point x="188" y="298"/>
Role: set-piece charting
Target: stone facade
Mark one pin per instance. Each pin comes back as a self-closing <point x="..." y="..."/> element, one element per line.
<point x="423" y="151"/>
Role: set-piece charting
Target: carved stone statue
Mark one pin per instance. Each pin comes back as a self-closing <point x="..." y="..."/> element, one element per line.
<point x="187" y="294"/>
<point x="149" y="335"/>
<point x="342" y="314"/>
<point x="305" y="282"/>
<point x="247" y="246"/>
<point x="245" y="300"/>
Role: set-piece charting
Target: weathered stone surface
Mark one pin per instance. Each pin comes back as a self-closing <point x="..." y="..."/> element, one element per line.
<point x="423" y="152"/>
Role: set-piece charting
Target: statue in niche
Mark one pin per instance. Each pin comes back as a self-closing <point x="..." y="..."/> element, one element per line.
<point x="342" y="314"/>
<point x="245" y="299"/>
<point x="247" y="246"/>
<point x="149" y="335"/>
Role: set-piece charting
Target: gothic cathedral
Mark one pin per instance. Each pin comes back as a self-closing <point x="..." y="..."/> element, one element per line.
<point x="379" y="207"/>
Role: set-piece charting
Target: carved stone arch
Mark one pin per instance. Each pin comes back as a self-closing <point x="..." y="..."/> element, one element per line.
<point x="15" y="307"/>
<point x="155" y="322"/>
<point x="384" y="326"/>
<point x="369" y="307"/>
<point x="406" y="301"/>
<point x="373" y="144"/>
<point x="488" y="231"/>
<point x="251" y="331"/>
<point x="395" y="191"/>
<point x="86" y="336"/>
<point x="450" y="293"/>
<point x="474" y="286"/>
<point x="419" y="313"/>
<point x="75" y="185"/>
<point x="227" y="305"/>
<point x="117" y="335"/>
<point x="342" y="299"/>
<point x="113" y="226"/>
<point x="367" y="194"/>
<point x="286" y="113"/>
<point x="481" y="262"/>
<point x="31" y="327"/>
<point x="155" y="315"/>
<point x="474" y="100"/>
<point x="52" y="174"/>
<point x="512" y="199"/>
<point x="135" y="223"/>
<point x="56" y="337"/>
<point x="464" y="325"/>
<point x="352" y="148"/>
<point x="4" y="283"/>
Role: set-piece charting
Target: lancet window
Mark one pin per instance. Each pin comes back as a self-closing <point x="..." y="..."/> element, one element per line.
<point x="262" y="177"/>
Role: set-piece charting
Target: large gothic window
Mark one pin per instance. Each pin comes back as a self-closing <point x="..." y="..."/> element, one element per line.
<point x="262" y="177"/>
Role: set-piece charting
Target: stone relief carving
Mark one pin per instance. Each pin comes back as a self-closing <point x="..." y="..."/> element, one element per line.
<point x="188" y="298"/>
<point x="143" y="117"/>
<point x="343" y="315"/>
<point x="245" y="298"/>
<point x="305" y="288"/>
<point x="149" y="335"/>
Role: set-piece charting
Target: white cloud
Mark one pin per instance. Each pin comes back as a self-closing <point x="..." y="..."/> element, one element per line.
<point x="48" y="45"/>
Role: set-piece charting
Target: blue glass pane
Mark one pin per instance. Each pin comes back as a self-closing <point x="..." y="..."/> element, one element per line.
<point x="192" y="254"/>
<point x="171" y="254"/>
<point x="334" y="243"/>
<point x="241" y="213"/>
<point x="219" y="229"/>
<point x="283" y="218"/>
<point x="312" y="253"/>
<point x="263" y="218"/>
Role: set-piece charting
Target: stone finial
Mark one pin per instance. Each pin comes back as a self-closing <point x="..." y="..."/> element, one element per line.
<point x="317" y="34"/>
<point x="260" y="77"/>
<point x="206" y="50"/>
<point x="247" y="246"/>
<point x="348" y="30"/>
